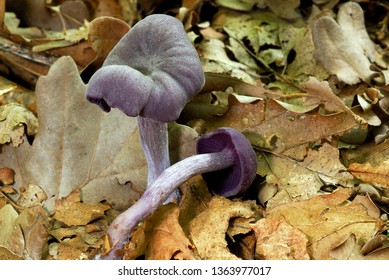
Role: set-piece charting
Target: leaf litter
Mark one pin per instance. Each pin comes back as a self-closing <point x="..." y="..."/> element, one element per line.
<point x="307" y="86"/>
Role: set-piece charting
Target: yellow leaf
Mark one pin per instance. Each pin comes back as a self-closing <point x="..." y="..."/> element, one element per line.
<point x="208" y="229"/>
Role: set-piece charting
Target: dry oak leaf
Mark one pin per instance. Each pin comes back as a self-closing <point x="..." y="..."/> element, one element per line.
<point x="72" y="212"/>
<point x="269" y="125"/>
<point x="33" y="222"/>
<point x="298" y="180"/>
<point x="378" y="175"/>
<point x="344" y="47"/>
<point x="24" y="235"/>
<point x="208" y="229"/>
<point x="78" y="146"/>
<point x="13" y="119"/>
<point x="160" y="237"/>
<point x="326" y="220"/>
<point x="350" y="249"/>
<point x="11" y="237"/>
<point x="277" y="240"/>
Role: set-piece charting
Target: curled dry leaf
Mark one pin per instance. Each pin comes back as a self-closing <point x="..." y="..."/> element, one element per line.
<point x="103" y="34"/>
<point x="378" y="175"/>
<point x="13" y="117"/>
<point x="208" y="229"/>
<point x="160" y="237"/>
<point x="6" y="176"/>
<point x="277" y="240"/>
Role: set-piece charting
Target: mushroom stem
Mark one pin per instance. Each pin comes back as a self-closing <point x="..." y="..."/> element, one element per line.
<point x="154" y="139"/>
<point x="158" y="191"/>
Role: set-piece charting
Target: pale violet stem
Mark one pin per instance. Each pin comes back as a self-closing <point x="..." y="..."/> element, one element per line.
<point x="154" y="139"/>
<point x="158" y="191"/>
<point x="155" y="144"/>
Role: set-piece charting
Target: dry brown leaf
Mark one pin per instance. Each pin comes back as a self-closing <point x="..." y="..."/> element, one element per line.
<point x="208" y="229"/>
<point x="6" y="176"/>
<point x="10" y="235"/>
<point x="371" y="208"/>
<point x="269" y="125"/>
<point x="160" y="237"/>
<point x="326" y="220"/>
<point x="31" y="196"/>
<point x="72" y="212"/>
<point x="24" y="235"/>
<point x="76" y="12"/>
<point x="107" y="8"/>
<point x="6" y="254"/>
<point x="298" y="180"/>
<point x="284" y="9"/>
<point x="277" y="240"/>
<point x="374" y="243"/>
<point x="244" y="246"/>
<point x="78" y="146"/>
<point x="195" y="199"/>
<point x="322" y="91"/>
<point x="182" y="142"/>
<point x="103" y="34"/>
<point x="344" y="47"/>
<point x="365" y="172"/>
<point x="348" y="249"/>
<point x="67" y="252"/>
<point x="33" y="222"/>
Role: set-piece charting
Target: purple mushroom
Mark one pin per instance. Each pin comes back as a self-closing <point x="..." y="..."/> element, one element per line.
<point x="226" y="160"/>
<point x="151" y="73"/>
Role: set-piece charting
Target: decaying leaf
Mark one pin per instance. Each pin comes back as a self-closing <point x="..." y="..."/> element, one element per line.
<point x="13" y="117"/>
<point x="33" y="222"/>
<point x="299" y="180"/>
<point x="103" y="34"/>
<point x="78" y="146"/>
<point x="72" y="212"/>
<point x="24" y="235"/>
<point x="326" y="220"/>
<point x="215" y="59"/>
<point x="277" y="240"/>
<point x="208" y="229"/>
<point x="161" y="237"/>
<point x="269" y="125"/>
<point x="378" y="175"/>
<point x="6" y="176"/>
<point x="344" y="47"/>
<point x="31" y="196"/>
<point x="10" y="235"/>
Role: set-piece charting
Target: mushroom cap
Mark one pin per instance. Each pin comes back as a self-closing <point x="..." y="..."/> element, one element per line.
<point x="153" y="71"/>
<point x="238" y="177"/>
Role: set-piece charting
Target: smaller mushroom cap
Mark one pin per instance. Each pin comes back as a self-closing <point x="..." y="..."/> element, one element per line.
<point x="153" y="71"/>
<point x="238" y="177"/>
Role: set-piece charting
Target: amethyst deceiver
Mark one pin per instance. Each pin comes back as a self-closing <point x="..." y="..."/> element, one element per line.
<point x="151" y="73"/>
<point x="225" y="152"/>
